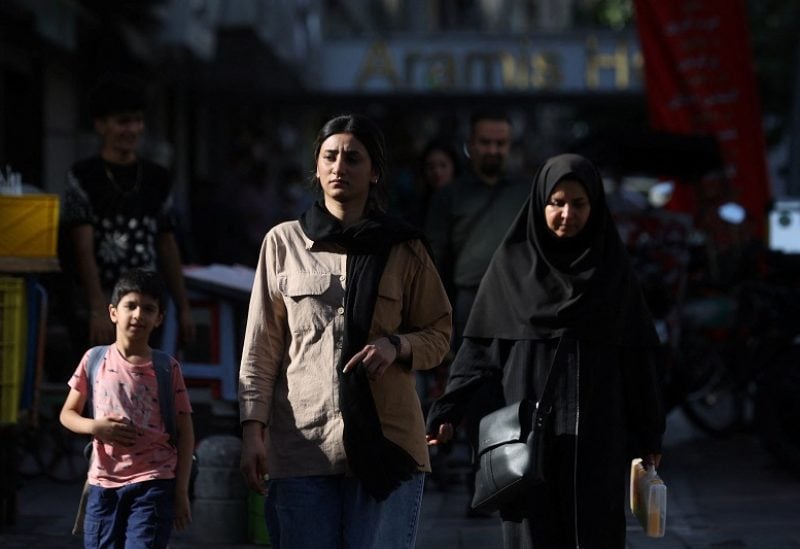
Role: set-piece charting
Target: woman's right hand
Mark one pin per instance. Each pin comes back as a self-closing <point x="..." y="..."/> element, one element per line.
<point x="442" y="436"/>
<point x="653" y="460"/>
<point x="253" y="463"/>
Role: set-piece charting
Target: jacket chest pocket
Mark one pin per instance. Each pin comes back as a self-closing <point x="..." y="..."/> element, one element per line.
<point x="312" y="300"/>
<point x="388" y="315"/>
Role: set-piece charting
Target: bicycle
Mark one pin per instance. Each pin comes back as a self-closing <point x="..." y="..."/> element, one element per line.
<point x="749" y="379"/>
<point x="47" y="448"/>
<point x="716" y="386"/>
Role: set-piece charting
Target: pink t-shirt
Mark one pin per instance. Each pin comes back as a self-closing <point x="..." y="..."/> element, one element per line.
<point x="131" y="390"/>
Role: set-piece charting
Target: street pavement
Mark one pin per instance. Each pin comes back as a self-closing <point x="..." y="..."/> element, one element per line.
<point x="722" y="493"/>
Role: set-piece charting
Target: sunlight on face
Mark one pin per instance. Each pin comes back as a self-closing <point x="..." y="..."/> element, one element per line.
<point x="344" y="169"/>
<point x="136" y="316"/>
<point x="567" y="209"/>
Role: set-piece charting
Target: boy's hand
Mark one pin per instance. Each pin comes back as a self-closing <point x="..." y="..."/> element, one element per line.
<point x="183" y="511"/>
<point x="115" y="430"/>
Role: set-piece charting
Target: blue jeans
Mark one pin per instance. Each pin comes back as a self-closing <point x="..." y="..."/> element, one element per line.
<point x="334" y="511"/>
<point x="138" y="515"/>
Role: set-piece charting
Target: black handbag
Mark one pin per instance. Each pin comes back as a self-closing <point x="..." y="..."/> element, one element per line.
<point x="511" y="448"/>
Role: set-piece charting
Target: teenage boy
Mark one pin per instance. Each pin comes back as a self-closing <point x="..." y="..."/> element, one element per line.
<point x="118" y="212"/>
<point x="139" y="474"/>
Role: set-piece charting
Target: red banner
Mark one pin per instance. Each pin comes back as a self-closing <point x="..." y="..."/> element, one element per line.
<point x="700" y="80"/>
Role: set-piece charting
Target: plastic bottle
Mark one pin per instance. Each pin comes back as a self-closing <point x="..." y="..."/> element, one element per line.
<point x="648" y="499"/>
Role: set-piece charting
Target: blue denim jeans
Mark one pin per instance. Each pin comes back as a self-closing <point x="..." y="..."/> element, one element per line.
<point x="334" y="511"/>
<point x="138" y="515"/>
<point x="400" y="515"/>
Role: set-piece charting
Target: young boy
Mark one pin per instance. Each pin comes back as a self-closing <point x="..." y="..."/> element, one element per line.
<point x="138" y="480"/>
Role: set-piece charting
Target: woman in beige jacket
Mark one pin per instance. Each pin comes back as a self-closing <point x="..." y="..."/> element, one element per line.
<point x="346" y="305"/>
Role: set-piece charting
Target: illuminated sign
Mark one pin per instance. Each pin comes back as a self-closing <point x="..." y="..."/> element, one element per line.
<point x="579" y="64"/>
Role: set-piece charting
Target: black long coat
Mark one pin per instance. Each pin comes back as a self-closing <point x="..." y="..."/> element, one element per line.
<point x="606" y="411"/>
<point x="541" y="287"/>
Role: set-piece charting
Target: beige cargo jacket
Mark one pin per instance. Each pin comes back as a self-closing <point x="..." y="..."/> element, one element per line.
<point x="293" y="342"/>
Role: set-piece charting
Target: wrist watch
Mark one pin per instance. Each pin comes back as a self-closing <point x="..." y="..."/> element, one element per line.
<point x="396" y="341"/>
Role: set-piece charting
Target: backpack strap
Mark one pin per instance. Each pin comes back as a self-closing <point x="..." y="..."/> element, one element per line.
<point x="96" y="356"/>
<point x="162" y="365"/>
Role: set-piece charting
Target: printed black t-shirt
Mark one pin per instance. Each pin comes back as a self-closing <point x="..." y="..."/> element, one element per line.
<point x="128" y="206"/>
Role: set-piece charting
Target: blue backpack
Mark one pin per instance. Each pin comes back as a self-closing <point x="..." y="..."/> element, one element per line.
<point x="162" y="364"/>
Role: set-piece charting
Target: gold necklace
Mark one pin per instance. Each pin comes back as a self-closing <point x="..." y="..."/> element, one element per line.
<point x="137" y="183"/>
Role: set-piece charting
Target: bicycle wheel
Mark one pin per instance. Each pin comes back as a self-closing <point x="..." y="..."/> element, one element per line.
<point x="712" y="401"/>
<point x="60" y="454"/>
<point x="778" y="409"/>
<point x="28" y="463"/>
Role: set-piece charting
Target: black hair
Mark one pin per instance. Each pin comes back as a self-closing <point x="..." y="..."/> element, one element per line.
<point x="141" y="281"/>
<point x="370" y="135"/>
<point x="116" y="93"/>
<point x="488" y="114"/>
<point x="444" y="145"/>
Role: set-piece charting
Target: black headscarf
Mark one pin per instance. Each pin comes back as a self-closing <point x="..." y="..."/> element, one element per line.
<point x="379" y="463"/>
<point x="538" y="285"/>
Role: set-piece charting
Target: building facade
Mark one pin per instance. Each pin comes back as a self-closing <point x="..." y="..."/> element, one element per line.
<point x="242" y="85"/>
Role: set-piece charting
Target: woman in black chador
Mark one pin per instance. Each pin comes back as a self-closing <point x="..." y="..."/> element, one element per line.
<point x="562" y="274"/>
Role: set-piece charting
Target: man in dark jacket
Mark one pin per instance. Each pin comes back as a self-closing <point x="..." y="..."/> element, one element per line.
<point x="466" y="222"/>
<point x="468" y="219"/>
